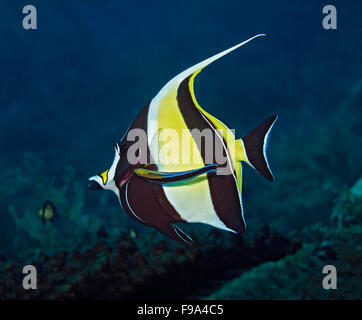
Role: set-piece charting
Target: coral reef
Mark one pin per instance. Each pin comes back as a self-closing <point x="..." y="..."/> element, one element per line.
<point x="313" y="164"/>
<point x="348" y="208"/>
<point x="266" y="266"/>
<point x="81" y="255"/>
<point x="299" y="276"/>
<point x="25" y="190"/>
<point x="129" y="269"/>
<point x="77" y="259"/>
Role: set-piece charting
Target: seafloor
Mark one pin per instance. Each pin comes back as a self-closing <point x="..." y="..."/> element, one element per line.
<point x="70" y="89"/>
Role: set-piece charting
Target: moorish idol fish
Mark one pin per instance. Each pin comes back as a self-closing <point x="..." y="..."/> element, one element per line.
<point x="161" y="193"/>
<point x="47" y="212"/>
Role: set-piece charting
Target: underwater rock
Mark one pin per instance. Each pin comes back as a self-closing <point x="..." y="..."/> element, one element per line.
<point x="299" y="276"/>
<point x="77" y="256"/>
<point x="129" y="270"/>
<point x="102" y="233"/>
<point x="99" y="246"/>
<point x="159" y="248"/>
<point x="90" y="256"/>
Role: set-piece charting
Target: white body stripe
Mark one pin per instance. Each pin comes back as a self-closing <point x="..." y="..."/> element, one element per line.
<point x="191" y="205"/>
<point x="185" y="199"/>
<point x="153" y="109"/>
<point x="230" y="166"/>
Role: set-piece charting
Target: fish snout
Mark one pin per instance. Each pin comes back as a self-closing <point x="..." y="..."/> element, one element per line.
<point x="94" y="185"/>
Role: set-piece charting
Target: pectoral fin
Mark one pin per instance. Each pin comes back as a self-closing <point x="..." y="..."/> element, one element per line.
<point x="165" y="177"/>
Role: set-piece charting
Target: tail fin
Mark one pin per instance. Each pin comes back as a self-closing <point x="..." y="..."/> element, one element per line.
<point x="255" y="144"/>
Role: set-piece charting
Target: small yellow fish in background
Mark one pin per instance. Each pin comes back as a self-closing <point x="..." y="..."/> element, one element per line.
<point x="161" y="193"/>
<point x="47" y="212"/>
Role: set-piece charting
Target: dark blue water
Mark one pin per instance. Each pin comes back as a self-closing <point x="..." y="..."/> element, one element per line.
<point x="71" y="88"/>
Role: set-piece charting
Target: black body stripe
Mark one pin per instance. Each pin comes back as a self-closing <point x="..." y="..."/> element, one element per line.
<point x="145" y="192"/>
<point x="141" y="201"/>
<point x="222" y="187"/>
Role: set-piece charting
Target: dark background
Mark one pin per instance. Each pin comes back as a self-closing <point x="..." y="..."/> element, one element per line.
<point x="70" y="89"/>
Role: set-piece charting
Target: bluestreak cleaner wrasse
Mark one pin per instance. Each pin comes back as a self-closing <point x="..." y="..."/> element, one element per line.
<point x="177" y="176"/>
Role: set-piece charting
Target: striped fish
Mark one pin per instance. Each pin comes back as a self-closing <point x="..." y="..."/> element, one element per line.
<point x="161" y="193"/>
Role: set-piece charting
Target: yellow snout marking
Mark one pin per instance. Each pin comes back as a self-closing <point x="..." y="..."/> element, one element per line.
<point x="104" y="176"/>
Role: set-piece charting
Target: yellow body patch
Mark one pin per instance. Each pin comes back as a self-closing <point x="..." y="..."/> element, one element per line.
<point x="48" y="213"/>
<point x="182" y="154"/>
<point x="235" y="147"/>
<point x="169" y="116"/>
<point x="104" y="176"/>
